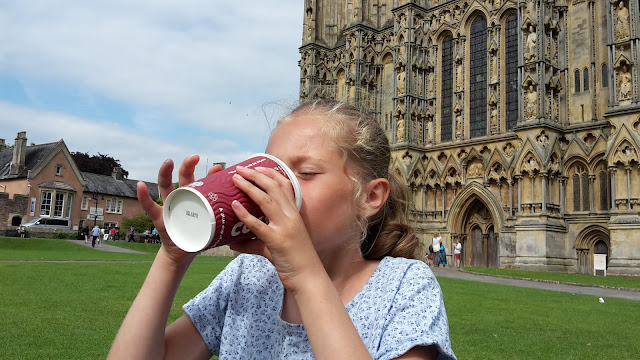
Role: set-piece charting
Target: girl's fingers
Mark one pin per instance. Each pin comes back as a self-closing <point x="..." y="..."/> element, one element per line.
<point x="188" y="167"/>
<point x="214" y="169"/>
<point x="165" y="184"/>
<point x="269" y="194"/>
<point x="148" y="204"/>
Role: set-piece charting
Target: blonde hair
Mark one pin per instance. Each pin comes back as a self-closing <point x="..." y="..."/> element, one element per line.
<point x="366" y="151"/>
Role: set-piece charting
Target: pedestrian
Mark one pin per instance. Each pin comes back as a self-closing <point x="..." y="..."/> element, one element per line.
<point x="338" y="277"/>
<point x="443" y="255"/>
<point x="457" y="252"/>
<point x="95" y="233"/>
<point x="86" y="232"/>
<point x="154" y="236"/>
<point x="112" y="234"/>
<point x="21" y="231"/>
<point x="435" y="244"/>
<point x="131" y="233"/>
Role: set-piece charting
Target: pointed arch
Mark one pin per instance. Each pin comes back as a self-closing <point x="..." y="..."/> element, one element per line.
<point x="465" y="199"/>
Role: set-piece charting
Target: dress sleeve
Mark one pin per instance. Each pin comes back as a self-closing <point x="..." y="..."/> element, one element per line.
<point x="207" y="309"/>
<point x="417" y="317"/>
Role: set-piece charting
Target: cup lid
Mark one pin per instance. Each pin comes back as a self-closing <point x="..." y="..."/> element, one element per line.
<point x="189" y="219"/>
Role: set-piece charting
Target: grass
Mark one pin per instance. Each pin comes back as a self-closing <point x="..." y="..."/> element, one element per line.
<point x="612" y="281"/>
<point x="72" y="310"/>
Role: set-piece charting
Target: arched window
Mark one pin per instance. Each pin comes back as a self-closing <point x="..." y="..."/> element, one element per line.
<point x="446" y="113"/>
<point x="585" y="74"/>
<point x="511" y="71"/>
<point x="576" y="76"/>
<point x="603" y="180"/>
<point x="605" y="76"/>
<point x="580" y="184"/>
<point x="478" y="78"/>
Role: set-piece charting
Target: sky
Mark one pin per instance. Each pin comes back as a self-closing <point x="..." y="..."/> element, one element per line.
<point x="144" y="81"/>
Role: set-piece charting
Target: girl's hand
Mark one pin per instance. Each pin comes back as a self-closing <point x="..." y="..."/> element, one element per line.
<point x="284" y="240"/>
<point x="166" y="186"/>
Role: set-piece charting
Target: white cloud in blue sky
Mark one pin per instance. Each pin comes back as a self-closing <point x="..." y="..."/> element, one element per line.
<point x="143" y="81"/>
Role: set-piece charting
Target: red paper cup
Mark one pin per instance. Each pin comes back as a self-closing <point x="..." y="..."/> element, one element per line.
<point x="199" y="216"/>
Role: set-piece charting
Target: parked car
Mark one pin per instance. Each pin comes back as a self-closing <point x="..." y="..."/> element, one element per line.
<point x="47" y="223"/>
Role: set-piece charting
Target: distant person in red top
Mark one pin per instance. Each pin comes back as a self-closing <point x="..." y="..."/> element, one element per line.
<point x="112" y="234"/>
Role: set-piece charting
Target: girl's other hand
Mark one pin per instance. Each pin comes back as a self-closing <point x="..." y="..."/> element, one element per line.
<point x="166" y="186"/>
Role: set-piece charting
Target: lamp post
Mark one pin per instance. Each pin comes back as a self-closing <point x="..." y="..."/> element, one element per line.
<point x="95" y="215"/>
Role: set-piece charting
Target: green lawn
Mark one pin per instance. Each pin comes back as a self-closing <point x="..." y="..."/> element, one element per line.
<point x="613" y="281"/>
<point x="72" y="310"/>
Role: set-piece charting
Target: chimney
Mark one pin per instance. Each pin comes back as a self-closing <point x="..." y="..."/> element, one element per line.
<point x="117" y="173"/>
<point x="19" y="153"/>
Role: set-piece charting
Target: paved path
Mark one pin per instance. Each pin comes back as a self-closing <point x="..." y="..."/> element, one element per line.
<point x="106" y="247"/>
<point x="599" y="291"/>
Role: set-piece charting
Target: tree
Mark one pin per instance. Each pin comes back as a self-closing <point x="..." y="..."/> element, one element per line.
<point x="97" y="164"/>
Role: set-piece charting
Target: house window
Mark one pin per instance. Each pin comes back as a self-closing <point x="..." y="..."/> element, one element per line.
<point x="55" y="204"/>
<point x="45" y="203"/>
<point x="85" y="203"/>
<point x="586" y="79"/>
<point x="59" y="170"/>
<point x="511" y="71"/>
<point x="446" y="113"/>
<point x="576" y="79"/>
<point x="114" y="206"/>
<point x="478" y="78"/>
<point x="59" y="205"/>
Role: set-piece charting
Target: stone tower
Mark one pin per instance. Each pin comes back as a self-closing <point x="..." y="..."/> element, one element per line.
<point x="516" y="124"/>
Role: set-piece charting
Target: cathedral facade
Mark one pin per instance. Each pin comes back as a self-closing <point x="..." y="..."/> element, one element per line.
<point x="515" y="124"/>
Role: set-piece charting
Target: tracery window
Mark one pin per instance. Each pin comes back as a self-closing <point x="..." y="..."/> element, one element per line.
<point x="446" y="113"/>
<point x="576" y="79"/>
<point x="580" y="189"/>
<point x="478" y="78"/>
<point x="605" y="76"/>
<point x="603" y="179"/>
<point x="585" y="73"/>
<point x="511" y="71"/>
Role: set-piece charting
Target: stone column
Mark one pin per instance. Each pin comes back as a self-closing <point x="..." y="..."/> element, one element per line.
<point x="592" y="179"/>
<point x="544" y="192"/>
<point x="561" y="194"/>
<point x="519" y="178"/>
<point x="424" y="202"/>
<point x="628" y="168"/>
<point x="444" y="190"/>
<point x="533" y="191"/>
<point x="435" y="202"/>
<point x="612" y="172"/>
<point x="510" y="181"/>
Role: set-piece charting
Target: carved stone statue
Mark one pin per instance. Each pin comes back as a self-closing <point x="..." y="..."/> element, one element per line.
<point x="459" y="76"/>
<point x="459" y="125"/>
<point x="624" y="83"/>
<point x="532" y="39"/>
<point x="401" y="81"/>
<point x="400" y="128"/>
<point x="494" y="68"/>
<point x="530" y="100"/>
<point x="430" y="84"/>
<point x="494" y="117"/>
<point x="622" y="21"/>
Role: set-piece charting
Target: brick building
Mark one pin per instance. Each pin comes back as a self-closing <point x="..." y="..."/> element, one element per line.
<point x="43" y="180"/>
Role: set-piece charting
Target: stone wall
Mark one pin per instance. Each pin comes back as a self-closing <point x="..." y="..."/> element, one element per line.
<point x="10" y="208"/>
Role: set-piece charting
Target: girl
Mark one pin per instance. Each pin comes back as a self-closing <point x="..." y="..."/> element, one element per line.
<point x="333" y="280"/>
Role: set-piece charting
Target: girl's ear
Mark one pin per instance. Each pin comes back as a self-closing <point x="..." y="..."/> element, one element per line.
<point x="377" y="191"/>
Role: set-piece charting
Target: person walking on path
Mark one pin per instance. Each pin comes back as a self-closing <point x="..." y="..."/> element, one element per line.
<point x="85" y="230"/>
<point x="435" y="244"/>
<point x="457" y="252"/>
<point x="131" y="233"/>
<point x="443" y="255"/>
<point x="95" y="233"/>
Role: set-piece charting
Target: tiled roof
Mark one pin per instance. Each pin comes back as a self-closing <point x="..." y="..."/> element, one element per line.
<point x="108" y="185"/>
<point x="34" y="155"/>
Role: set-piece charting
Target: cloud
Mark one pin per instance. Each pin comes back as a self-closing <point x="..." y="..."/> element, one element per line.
<point x="142" y="80"/>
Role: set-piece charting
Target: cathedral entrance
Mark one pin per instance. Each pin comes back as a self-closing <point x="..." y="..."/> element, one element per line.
<point x="481" y="246"/>
<point x="592" y="240"/>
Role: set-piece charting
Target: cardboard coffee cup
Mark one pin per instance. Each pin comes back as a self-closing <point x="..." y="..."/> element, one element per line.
<point x="199" y="216"/>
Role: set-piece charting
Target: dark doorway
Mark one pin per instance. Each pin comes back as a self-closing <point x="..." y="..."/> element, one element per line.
<point x="16" y="220"/>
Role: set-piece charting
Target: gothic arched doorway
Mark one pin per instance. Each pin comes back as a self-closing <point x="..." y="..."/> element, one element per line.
<point x="481" y="246"/>
<point x="592" y="240"/>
